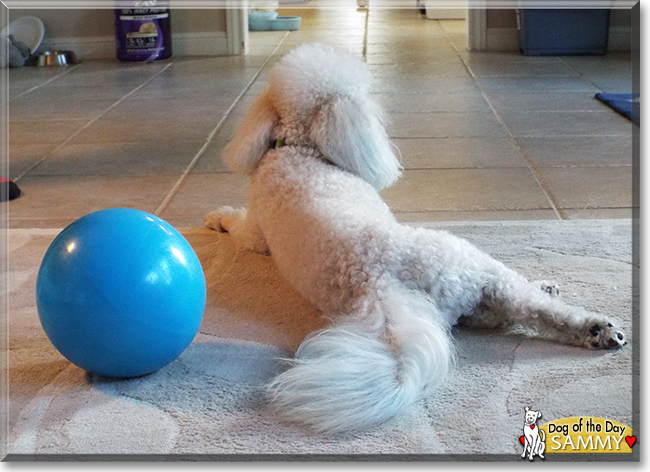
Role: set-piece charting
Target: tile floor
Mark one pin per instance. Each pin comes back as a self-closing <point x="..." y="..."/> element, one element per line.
<point x="483" y="136"/>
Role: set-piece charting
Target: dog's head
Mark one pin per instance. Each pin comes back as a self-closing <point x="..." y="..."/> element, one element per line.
<point x="318" y="95"/>
<point x="532" y="416"/>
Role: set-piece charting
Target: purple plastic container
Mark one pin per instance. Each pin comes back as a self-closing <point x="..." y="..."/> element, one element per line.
<point x="143" y="34"/>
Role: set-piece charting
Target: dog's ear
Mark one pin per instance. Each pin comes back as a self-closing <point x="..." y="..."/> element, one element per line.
<point x="252" y="136"/>
<point x="539" y="414"/>
<point x="349" y="131"/>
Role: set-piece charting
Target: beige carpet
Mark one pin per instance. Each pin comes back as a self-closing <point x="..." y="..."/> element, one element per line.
<point x="209" y="400"/>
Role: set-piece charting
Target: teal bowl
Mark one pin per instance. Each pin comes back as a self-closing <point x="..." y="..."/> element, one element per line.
<point x="286" y="23"/>
<point x="261" y="20"/>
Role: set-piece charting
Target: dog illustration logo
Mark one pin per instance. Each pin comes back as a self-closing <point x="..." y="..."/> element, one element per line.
<point x="534" y="443"/>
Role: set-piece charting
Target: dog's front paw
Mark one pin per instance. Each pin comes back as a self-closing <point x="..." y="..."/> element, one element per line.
<point x="604" y="335"/>
<point x="213" y="219"/>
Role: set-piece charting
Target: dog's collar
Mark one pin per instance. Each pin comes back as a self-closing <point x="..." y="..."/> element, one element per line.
<point x="279" y="142"/>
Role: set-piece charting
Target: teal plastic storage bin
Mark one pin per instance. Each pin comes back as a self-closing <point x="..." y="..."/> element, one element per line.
<point x="553" y="32"/>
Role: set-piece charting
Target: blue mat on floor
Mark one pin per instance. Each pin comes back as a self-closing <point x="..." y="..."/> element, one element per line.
<point x="624" y="103"/>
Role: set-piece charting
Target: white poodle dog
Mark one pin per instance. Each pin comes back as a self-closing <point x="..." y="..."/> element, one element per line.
<point x="316" y="148"/>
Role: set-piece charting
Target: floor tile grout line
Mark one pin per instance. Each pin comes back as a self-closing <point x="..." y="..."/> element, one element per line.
<point x="90" y="122"/>
<point x="36" y="87"/>
<point x="538" y="178"/>
<point x="210" y="138"/>
<point x="581" y="75"/>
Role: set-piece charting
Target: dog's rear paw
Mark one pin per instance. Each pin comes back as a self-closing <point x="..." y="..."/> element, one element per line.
<point x="213" y="219"/>
<point x="551" y="288"/>
<point x="605" y="335"/>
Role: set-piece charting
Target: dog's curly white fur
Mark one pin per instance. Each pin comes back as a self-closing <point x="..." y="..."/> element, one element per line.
<point x="392" y="291"/>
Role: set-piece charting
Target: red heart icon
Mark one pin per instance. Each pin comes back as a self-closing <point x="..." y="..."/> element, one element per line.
<point x="630" y="440"/>
<point x="523" y="441"/>
<point x="532" y="426"/>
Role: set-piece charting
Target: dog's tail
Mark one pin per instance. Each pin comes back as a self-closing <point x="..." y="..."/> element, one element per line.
<point x="355" y="376"/>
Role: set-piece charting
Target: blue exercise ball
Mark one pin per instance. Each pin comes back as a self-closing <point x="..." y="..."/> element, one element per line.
<point x="120" y="293"/>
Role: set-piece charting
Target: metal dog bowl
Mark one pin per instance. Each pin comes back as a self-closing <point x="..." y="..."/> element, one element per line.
<point x="53" y="58"/>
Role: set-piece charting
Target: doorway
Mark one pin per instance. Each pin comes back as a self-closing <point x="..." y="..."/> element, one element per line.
<point x="475" y="22"/>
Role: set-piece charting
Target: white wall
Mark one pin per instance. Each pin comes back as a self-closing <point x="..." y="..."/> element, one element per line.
<point x="91" y="32"/>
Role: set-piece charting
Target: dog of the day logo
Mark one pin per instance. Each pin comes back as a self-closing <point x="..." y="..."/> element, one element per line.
<point x="576" y="435"/>
<point x="533" y="439"/>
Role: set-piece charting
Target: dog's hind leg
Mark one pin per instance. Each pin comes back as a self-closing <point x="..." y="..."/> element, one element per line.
<point x="485" y="316"/>
<point x="551" y="288"/>
<point x="515" y="300"/>
<point x="243" y="229"/>
<point x="476" y="290"/>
